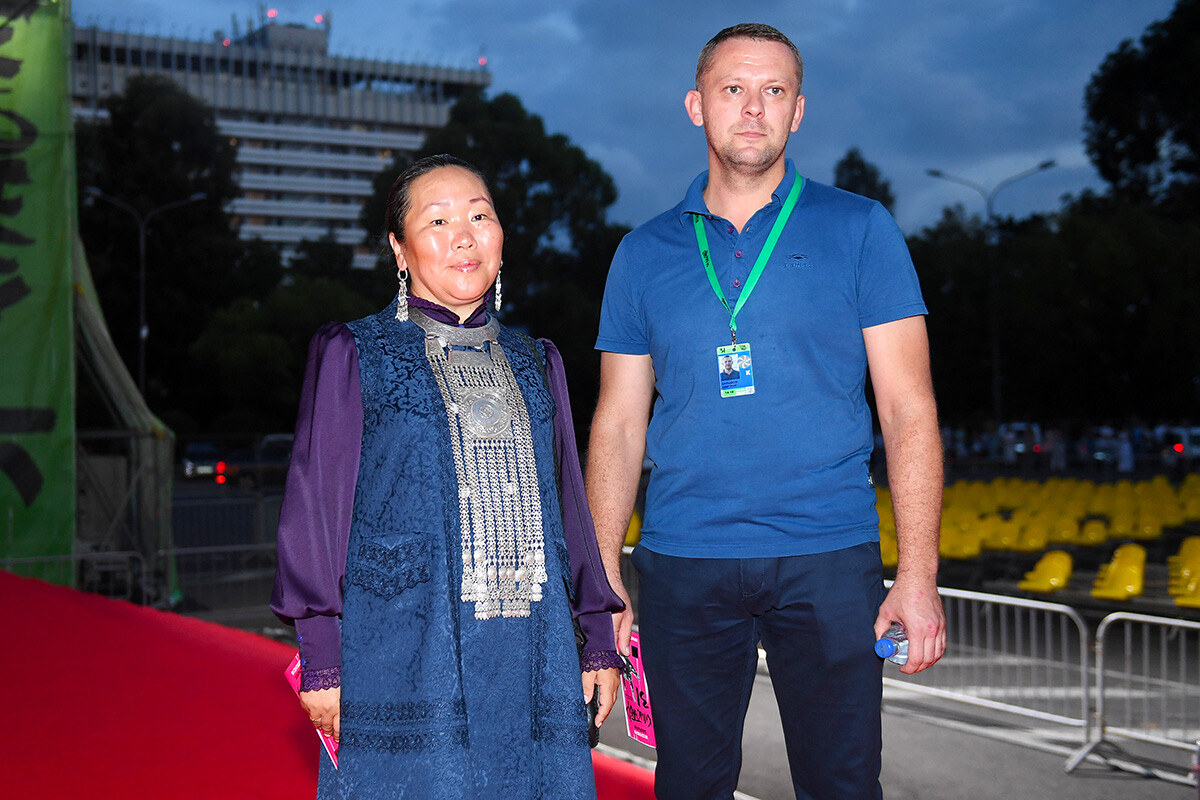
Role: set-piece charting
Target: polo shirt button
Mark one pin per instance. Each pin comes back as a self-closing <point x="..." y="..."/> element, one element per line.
<point x="731" y="229"/>
<point x="738" y="253"/>
<point x="737" y="282"/>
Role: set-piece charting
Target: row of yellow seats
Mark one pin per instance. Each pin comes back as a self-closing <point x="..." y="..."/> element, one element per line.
<point x="1079" y="499"/>
<point x="966" y="538"/>
<point x="1122" y="578"/>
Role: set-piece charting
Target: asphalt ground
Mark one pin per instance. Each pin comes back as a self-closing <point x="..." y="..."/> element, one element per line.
<point x="935" y="749"/>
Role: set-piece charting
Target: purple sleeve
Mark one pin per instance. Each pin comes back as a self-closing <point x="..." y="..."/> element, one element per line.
<point x="318" y="500"/>
<point x="593" y="598"/>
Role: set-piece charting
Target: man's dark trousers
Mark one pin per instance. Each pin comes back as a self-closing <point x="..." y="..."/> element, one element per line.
<point x="700" y="620"/>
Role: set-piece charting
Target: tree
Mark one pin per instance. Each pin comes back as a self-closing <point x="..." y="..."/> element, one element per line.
<point x="552" y="201"/>
<point x="256" y="351"/>
<point x="160" y="145"/>
<point x="951" y="259"/>
<point x="855" y="174"/>
<point x="1093" y="313"/>
<point x="1143" y="125"/>
<point x="322" y="258"/>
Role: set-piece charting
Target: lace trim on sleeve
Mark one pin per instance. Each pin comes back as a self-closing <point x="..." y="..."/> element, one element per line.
<point x="312" y="680"/>
<point x="596" y="660"/>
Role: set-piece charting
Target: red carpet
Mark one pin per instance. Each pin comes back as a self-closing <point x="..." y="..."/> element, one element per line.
<point x="105" y="699"/>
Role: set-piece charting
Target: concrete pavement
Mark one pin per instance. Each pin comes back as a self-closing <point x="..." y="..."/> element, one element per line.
<point x="938" y="750"/>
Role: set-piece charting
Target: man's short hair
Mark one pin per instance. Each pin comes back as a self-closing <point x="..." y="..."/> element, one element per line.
<point x="748" y="30"/>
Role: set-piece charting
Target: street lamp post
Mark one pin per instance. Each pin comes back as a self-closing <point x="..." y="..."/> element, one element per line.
<point x="143" y="220"/>
<point x="993" y="240"/>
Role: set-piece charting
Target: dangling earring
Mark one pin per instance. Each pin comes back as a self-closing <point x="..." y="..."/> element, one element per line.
<point x="497" y="303"/>
<point x="402" y="296"/>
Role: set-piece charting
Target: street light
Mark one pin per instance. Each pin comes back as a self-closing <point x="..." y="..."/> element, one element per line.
<point x="993" y="237"/>
<point x="143" y="220"/>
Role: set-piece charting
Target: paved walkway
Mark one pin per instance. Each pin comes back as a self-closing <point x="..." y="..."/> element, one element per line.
<point x="938" y="750"/>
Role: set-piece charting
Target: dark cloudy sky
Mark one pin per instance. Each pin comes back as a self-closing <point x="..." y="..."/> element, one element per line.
<point x="982" y="90"/>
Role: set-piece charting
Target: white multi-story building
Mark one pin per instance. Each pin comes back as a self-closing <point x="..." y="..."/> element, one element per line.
<point x="312" y="129"/>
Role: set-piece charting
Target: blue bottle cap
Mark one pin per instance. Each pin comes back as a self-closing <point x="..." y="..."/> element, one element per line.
<point x="885" y="648"/>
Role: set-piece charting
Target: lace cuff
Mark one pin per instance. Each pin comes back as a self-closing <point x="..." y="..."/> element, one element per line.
<point x="312" y="680"/>
<point x="596" y="660"/>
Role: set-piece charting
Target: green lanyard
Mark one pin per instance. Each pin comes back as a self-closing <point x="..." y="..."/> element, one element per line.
<point x="759" y="265"/>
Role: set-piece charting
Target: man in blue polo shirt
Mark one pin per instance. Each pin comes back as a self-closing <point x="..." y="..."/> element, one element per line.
<point x="775" y="540"/>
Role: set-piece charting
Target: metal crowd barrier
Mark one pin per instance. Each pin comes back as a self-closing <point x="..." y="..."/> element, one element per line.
<point x="1025" y="657"/>
<point x="224" y="557"/>
<point x="1146" y="690"/>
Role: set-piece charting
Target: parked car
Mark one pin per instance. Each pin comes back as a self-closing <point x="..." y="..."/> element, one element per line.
<point x="200" y="460"/>
<point x="264" y="464"/>
<point x="1181" y="444"/>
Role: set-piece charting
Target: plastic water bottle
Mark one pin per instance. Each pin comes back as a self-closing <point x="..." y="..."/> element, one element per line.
<point x="894" y="645"/>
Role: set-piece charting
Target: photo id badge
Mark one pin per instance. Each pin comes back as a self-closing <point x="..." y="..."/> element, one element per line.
<point x="734" y="370"/>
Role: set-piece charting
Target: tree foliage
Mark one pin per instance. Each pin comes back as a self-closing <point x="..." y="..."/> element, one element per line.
<point x="1092" y="311"/>
<point x="855" y="174"/>
<point x="1143" y="122"/>
<point x="256" y="351"/>
<point x="159" y="145"/>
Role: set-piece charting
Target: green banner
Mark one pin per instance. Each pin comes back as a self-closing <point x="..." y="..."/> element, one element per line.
<point x="37" y="341"/>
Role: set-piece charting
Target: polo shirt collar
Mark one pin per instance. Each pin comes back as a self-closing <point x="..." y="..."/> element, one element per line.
<point x="693" y="201"/>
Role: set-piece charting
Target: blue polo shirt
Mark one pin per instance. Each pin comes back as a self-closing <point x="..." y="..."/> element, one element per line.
<point x="782" y="471"/>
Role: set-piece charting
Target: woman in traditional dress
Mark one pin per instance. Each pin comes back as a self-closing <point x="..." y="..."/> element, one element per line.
<point x="434" y="540"/>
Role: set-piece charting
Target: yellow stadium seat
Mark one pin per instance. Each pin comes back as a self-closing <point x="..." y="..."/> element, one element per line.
<point x="888" y="551"/>
<point x="1191" y="508"/>
<point x="1122" y="525"/>
<point x="1033" y="537"/>
<point x="1149" y="526"/>
<point x="1190" y="596"/>
<point x="1183" y="566"/>
<point x="1064" y="530"/>
<point x="1185" y="576"/>
<point x="1123" y="577"/>
<point x="1182" y="576"/>
<point x="1051" y="573"/>
<point x="959" y="544"/>
<point x="1000" y="534"/>
<point x="1093" y="532"/>
<point x="633" y="533"/>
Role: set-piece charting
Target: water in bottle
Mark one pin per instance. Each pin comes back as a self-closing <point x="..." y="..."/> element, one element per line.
<point x="894" y="644"/>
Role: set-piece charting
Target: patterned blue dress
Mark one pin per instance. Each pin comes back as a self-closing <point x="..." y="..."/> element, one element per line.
<point x="436" y="703"/>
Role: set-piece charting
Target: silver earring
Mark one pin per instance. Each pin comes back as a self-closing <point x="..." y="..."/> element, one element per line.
<point x="497" y="303"/>
<point x="402" y="296"/>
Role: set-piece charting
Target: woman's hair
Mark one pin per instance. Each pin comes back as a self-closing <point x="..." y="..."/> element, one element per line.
<point x="399" y="199"/>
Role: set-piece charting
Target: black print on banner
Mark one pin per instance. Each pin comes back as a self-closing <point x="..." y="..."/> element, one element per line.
<point x="11" y="9"/>
<point x="15" y="461"/>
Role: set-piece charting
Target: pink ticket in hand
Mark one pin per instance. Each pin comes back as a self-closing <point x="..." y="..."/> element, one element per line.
<point x="638" y="719"/>
<point x="292" y="673"/>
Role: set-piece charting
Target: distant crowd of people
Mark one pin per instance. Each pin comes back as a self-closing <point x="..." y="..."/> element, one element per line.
<point x="1120" y="449"/>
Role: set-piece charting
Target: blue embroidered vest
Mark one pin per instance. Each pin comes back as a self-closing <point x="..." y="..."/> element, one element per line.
<point x="435" y="703"/>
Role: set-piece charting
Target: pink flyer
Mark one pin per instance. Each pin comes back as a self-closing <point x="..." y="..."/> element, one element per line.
<point x="292" y="673"/>
<point x="637" y="698"/>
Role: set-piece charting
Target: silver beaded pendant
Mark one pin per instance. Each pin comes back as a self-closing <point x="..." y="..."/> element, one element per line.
<point x="500" y="511"/>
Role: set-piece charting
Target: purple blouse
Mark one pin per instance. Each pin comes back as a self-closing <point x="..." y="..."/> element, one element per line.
<point x="318" y="503"/>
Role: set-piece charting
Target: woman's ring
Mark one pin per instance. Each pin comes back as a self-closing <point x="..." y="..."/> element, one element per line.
<point x="314" y="719"/>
